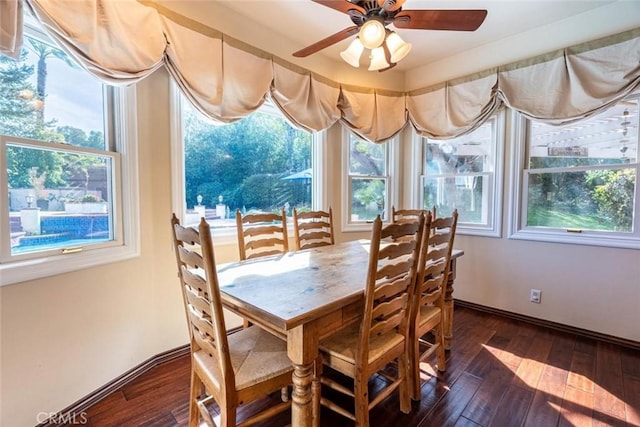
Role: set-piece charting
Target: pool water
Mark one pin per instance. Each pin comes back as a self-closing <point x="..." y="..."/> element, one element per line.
<point x="63" y="231"/>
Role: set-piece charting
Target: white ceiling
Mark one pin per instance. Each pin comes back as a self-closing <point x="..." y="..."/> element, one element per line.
<point x="513" y="30"/>
<point x="305" y="22"/>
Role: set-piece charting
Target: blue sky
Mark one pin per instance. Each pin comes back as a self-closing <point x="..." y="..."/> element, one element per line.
<point x="74" y="97"/>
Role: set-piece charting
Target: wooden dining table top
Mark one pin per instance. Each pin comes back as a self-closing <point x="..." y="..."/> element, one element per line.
<point x="296" y="287"/>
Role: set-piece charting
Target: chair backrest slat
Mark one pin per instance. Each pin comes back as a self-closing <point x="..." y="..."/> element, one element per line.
<point x="188" y="257"/>
<point x="399" y="216"/>
<point x="313" y="225"/>
<point x="313" y="229"/>
<point x="258" y="230"/>
<point x="263" y="243"/>
<point x="317" y="235"/>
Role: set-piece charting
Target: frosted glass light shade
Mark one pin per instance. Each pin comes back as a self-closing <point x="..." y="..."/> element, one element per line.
<point x="378" y="61"/>
<point x="398" y="48"/>
<point x="352" y="54"/>
<point x="372" y="34"/>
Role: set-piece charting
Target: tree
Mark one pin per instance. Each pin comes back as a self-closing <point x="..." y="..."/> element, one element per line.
<point x="20" y="117"/>
<point x="16" y="95"/>
<point x="73" y="135"/>
<point x="234" y="159"/>
<point x="367" y="158"/>
<point x="45" y="51"/>
<point x="614" y="193"/>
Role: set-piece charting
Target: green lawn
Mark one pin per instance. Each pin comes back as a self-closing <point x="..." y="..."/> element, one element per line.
<point x="538" y="217"/>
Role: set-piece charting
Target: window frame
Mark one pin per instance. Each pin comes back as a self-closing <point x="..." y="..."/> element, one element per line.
<point x="518" y="204"/>
<point x="495" y="179"/>
<point x="115" y="214"/>
<point x="178" y="203"/>
<point x="392" y="167"/>
<point x="123" y="116"/>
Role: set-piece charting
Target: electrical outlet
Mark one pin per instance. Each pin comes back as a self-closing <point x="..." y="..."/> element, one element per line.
<point x="536" y="296"/>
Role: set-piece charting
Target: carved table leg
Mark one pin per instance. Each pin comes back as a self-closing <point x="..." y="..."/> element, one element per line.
<point x="301" y="407"/>
<point x="447" y="328"/>
<point x="302" y="348"/>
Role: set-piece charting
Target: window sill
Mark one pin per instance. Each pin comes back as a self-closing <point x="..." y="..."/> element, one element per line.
<point x="38" y="268"/>
<point x="578" y="239"/>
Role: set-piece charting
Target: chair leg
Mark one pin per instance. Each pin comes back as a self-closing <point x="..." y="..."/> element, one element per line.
<point x="196" y="390"/>
<point x="361" y="395"/>
<point x="414" y="366"/>
<point x="405" y="386"/>
<point x="316" y="390"/>
<point x="227" y="414"/>
<point x="440" y="351"/>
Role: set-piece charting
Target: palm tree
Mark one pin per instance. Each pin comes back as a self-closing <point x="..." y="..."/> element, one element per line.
<point x="44" y="51"/>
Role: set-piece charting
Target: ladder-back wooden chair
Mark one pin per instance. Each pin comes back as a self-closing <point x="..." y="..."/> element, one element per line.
<point x="428" y="300"/>
<point x="230" y="370"/>
<point x="404" y="215"/>
<point x="365" y="348"/>
<point x="261" y="234"/>
<point x="399" y="216"/>
<point x="313" y="229"/>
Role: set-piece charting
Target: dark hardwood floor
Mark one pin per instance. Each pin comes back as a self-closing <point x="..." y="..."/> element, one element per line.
<point x="500" y="372"/>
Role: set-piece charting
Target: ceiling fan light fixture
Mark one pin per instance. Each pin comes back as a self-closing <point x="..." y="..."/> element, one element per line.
<point x="378" y="60"/>
<point x="398" y="48"/>
<point x="372" y="34"/>
<point x="352" y="54"/>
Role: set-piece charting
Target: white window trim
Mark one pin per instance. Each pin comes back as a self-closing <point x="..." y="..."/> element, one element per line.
<point x="554" y="235"/>
<point x="229" y="235"/>
<point x="494" y="228"/>
<point x="415" y="172"/>
<point x="125" y="115"/>
<point x="393" y="165"/>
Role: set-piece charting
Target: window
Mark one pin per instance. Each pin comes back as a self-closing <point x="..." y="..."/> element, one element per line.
<point x="367" y="188"/>
<point x="579" y="181"/>
<point x="465" y="173"/>
<point x="61" y="142"/>
<point x="259" y="163"/>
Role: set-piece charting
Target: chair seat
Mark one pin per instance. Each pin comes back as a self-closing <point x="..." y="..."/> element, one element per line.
<point x="427" y="314"/>
<point x="343" y="344"/>
<point x="256" y="356"/>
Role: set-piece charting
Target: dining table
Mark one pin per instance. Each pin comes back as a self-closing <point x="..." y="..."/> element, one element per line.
<point x="304" y="296"/>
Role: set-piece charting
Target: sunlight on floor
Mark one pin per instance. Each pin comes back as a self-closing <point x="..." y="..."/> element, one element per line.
<point x="572" y="391"/>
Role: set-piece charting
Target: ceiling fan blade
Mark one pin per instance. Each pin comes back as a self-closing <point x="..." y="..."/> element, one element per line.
<point x="454" y="20"/>
<point x="326" y="42"/>
<point x="388" y="68"/>
<point x="340" y="5"/>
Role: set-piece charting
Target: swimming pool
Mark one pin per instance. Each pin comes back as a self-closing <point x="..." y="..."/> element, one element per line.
<point x="63" y="231"/>
<point x="60" y="244"/>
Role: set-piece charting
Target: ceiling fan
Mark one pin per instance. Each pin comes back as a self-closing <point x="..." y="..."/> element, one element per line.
<point x="371" y="18"/>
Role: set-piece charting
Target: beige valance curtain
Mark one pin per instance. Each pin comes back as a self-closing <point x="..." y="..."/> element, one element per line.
<point x="11" y="27"/>
<point x="559" y="87"/>
<point x="454" y="108"/>
<point x="573" y="83"/>
<point x="123" y="41"/>
<point x="373" y="112"/>
<point x="120" y="41"/>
